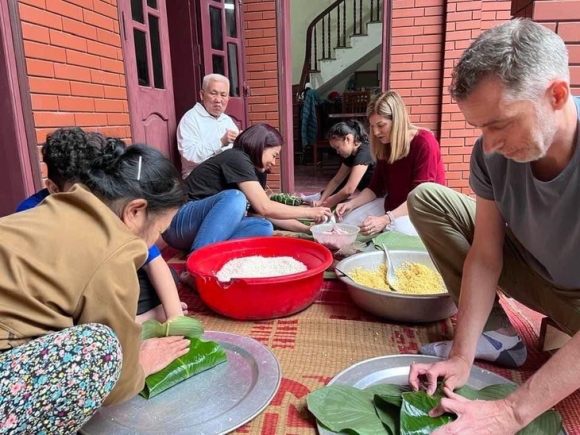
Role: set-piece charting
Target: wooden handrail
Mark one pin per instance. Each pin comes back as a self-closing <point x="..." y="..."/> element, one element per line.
<point x="308" y="54"/>
<point x="325" y="18"/>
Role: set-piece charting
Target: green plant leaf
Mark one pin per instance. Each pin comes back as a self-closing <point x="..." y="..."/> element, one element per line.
<point x="202" y="355"/>
<point x="415" y="418"/>
<point x="389" y="414"/>
<point x="342" y="408"/>
<point x="182" y="325"/>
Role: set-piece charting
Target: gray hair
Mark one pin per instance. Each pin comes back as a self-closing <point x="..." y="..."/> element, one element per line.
<point x="523" y="55"/>
<point x="214" y="78"/>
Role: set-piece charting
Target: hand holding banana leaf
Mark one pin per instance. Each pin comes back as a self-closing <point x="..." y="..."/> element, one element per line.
<point x="158" y="353"/>
<point x="185" y="357"/>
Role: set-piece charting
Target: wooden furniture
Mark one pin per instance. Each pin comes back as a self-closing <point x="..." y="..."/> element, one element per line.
<point x="355" y="102"/>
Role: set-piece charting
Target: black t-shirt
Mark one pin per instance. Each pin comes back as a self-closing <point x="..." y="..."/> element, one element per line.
<point x="363" y="156"/>
<point x="219" y="173"/>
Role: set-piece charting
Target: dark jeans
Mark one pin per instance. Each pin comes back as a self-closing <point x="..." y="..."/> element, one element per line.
<point x="148" y="298"/>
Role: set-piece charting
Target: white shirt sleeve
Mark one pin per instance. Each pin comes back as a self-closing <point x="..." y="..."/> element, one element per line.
<point x="189" y="142"/>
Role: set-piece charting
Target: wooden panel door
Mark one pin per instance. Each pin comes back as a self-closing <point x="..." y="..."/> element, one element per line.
<point x="19" y="169"/>
<point x="148" y="71"/>
<point x="223" y="50"/>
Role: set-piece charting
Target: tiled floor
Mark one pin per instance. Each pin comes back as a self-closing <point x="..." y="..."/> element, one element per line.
<point x="305" y="181"/>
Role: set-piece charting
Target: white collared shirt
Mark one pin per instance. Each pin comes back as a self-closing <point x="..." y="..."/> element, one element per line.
<point x="199" y="136"/>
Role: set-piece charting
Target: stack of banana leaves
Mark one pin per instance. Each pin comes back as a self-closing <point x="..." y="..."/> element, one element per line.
<point x="286" y="198"/>
<point x="396" y="410"/>
<point x="203" y="355"/>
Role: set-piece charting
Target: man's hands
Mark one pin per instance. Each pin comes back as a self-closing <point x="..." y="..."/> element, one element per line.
<point x="228" y="137"/>
<point x="454" y="371"/>
<point x="481" y="417"/>
<point x="158" y="353"/>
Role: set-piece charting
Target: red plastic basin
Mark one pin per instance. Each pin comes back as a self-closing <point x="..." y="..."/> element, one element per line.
<point x="259" y="298"/>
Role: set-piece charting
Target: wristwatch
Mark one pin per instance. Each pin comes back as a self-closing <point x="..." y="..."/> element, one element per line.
<point x="391" y="217"/>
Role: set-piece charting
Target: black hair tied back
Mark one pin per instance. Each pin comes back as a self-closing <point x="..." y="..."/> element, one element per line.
<point x="110" y="156"/>
<point x="122" y="174"/>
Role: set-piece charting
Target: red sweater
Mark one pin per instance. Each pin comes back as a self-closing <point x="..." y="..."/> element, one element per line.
<point x="423" y="164"/>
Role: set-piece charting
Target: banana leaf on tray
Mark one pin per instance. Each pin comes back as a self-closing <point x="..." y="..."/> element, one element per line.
<point x="203" y="355"/>
<point x="394" y="410"/>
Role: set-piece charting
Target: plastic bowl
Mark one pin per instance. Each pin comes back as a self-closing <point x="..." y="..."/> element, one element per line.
<point x="259" y="298"/>
<point x="395" y="306"/>
<point x="334" y="241"/>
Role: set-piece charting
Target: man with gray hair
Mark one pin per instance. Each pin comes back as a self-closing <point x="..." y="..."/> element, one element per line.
<point x="521" y="233"/>
<point x="205" y="130"/>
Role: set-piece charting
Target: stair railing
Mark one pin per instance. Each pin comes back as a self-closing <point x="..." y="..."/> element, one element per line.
<point x="333" y="21"/>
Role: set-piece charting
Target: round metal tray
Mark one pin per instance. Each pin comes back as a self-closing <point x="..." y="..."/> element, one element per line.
<point x="394" y="369"/>
<point x="214" y="402"/>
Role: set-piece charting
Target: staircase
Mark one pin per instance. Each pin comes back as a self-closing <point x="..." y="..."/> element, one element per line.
<point x="339" y="40"/>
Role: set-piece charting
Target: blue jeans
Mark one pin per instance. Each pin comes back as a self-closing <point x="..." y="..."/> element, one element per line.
<point x="214" y="219"/>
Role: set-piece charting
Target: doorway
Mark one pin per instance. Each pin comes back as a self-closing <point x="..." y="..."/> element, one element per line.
<point x="19" y="168"/>
<point x="335" y="48"/>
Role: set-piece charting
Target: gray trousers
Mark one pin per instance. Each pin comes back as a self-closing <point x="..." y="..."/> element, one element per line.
<point x="445" y="220"/>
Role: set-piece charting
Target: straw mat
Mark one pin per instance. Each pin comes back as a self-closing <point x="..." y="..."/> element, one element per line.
<point x="331" y="335"/>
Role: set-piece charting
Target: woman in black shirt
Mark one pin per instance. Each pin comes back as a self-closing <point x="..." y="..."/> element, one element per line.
<point x="220" y="188"/>
<point x="351" y="142"/>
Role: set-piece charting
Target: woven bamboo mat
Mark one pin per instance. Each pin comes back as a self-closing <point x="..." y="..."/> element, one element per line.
<point x="331" y="335"/>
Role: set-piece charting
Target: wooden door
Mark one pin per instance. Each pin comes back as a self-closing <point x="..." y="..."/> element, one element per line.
<point x="223" y="50"/>
<point x="148" y="70"/>
<point x="20" y="174"/>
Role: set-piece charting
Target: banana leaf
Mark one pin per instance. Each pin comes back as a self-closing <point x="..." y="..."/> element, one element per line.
<point x="182" y="325"/>
<point x="286" y="198"/>
<point x="415" y="419"/>
<point x="348" y="409"/>
<point x="202" y="355"/>
<point x="344" y="408"/>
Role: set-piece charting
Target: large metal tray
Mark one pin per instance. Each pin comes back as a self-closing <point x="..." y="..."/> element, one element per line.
<point x="394" y="369"/>
<point x="214" y="402"/>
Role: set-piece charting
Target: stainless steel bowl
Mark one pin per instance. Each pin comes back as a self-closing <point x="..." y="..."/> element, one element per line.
<point x="395" y="306"/>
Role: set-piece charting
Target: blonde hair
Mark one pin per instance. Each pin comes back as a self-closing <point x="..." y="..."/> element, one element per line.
<point x="391" y="106"/>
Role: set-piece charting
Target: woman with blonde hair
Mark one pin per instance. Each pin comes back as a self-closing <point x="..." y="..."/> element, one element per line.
<point x="406" y="156"/>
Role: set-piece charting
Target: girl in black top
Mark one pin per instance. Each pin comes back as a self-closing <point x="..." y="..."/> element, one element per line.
<point x="219" y="187"/>
<point x="350" y="141"/>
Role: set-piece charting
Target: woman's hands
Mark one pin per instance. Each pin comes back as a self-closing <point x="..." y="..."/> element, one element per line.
<point x="158" y="353"/>
<point x="343" y="209"/>
<point x="319" y="214"/>
<point x="374" y="225"/>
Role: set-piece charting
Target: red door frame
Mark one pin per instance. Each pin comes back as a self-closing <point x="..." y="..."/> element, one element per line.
<point x="285" y="94"/>
<point x="21" y="175"/>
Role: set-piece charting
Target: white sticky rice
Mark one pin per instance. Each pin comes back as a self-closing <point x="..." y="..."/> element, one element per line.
<point x="257" y="266"/>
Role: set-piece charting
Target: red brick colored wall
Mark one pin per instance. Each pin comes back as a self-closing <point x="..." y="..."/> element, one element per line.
<point x="75" y="66"/>
<point x="465" y="20"/>
<point x="428" y="36"/>
<point x="563" y="17"/>
<point x="415" y="64"/>
<point x="262" y="68"/>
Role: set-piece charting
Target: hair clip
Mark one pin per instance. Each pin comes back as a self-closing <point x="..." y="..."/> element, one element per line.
<point x="139" y="168"/>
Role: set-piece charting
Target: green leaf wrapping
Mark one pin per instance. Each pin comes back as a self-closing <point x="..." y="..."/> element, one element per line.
<point x="182" y="325"/>
<point x="287" y="199"/>
<point x="202" y="355"/>
<point x="415" y="418"/>
<point x="348" y="409"/>
<point x="341" y="407"/>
